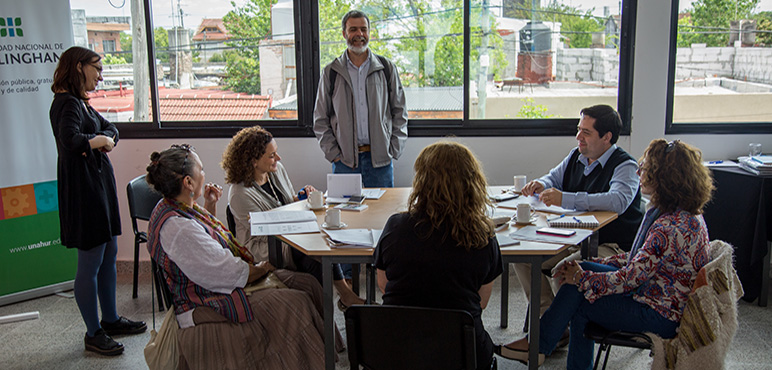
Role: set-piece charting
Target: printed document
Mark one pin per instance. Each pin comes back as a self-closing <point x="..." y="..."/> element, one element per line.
<point x="285" y="228"/>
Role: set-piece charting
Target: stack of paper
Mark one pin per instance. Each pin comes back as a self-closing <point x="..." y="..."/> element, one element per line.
<point x="529" y="233"/>
<point x="757" y="164"/>
<point x="505" y="240"/>
<point x="374" y="193"/>
<point x="283" y="222"/>
<point x="537" y="205"/>
<point x="354" y="238"/>
<point x="351" y="207"/>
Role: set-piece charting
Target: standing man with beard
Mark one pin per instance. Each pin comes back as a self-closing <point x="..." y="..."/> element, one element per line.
<point x="360" y="119"/>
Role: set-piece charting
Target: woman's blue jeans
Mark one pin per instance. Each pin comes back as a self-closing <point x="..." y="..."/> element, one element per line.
<point x="95" y="280"/>
<point x="614" y="312"/>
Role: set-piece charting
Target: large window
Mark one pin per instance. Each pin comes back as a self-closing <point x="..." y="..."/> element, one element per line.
<point x="721" y="55"/>
<point x="543" y="59"/>
<point x="469" y="67"/>
<point x="107" y="30"/>
<point x="224" y="62"/>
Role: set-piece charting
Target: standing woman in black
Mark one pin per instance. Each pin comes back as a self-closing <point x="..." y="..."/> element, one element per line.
<point x="88" y="205"/>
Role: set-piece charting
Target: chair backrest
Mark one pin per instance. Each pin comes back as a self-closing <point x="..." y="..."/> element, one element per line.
<point x="398" y="337"/>
<point x="159" y="278"/>
<point x="142" y="200"/>
<point x="230" y="219"/>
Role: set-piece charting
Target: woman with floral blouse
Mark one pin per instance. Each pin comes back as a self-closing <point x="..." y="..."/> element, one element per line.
<point x="644" y="290"/>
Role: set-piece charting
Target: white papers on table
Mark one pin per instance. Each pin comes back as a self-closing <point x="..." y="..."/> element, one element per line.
<point x="529" y="233"/>
<point x="336" y="200"/>
<point x="721" y="163"/>
<point x="494" y="212"/>
<point x="367" y="193"/>
<point x="512" y="203"/>
<point x="355" y="238"/>
<point x="373" y="193"/>
<point x="537" y="205"/>
<point x="505" y="240"/>
<point x="275" y="217"/>
<point x="285" y="228"/>
<point x="282" y="222"/>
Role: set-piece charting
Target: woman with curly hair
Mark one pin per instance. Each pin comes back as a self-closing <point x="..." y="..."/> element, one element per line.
<point x="260" y="183"/>
<point x="442" y="252"/>
<point x="644" y="290"/>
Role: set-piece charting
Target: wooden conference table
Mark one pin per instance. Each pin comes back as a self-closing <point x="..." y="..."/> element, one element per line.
<point x="375" y="217"/>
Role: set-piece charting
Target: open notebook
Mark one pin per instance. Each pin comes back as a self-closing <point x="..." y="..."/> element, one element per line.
<point x="584" y="222"/>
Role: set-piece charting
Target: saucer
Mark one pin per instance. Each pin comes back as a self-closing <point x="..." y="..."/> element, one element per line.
<point x="316" y="209"/>
<point x="522" y="223"/>
<point x="342" y="225"/>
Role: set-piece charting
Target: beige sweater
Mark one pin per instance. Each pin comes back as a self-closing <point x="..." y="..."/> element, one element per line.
<point x="252" y="198"/>
<point x="709" y="320"/>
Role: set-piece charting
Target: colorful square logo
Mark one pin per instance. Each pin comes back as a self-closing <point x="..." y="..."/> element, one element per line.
<point x="11" y="27"/>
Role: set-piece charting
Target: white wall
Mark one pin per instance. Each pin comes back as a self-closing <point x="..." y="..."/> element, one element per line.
<point x="502" y="157"/>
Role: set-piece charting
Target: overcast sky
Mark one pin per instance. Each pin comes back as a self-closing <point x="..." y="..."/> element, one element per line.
<point x="195" y="10"/>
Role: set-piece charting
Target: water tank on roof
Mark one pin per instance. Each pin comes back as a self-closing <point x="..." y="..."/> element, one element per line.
<point x="535" y="37"/>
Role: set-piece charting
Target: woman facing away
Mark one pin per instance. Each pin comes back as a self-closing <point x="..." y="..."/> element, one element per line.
<point x="442" y="252"/>
<point x="206" y="269"/>
<point x="260" y="183"/>
<point x="88" y="206"/>
<point x="646" y="289"/>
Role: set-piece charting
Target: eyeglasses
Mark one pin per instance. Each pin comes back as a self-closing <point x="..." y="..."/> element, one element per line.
<point x="98" y="68"/>
<point x="187" y="148"/>
<point x="671" y="145"/>
<point x="640" y="169"/>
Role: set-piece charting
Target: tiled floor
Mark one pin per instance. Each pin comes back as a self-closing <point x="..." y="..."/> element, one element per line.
<point x="55" y="340"/>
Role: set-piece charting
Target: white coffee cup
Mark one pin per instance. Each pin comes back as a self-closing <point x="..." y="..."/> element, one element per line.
<point x="519" y="182"/>
<point x="332" y="217"/>
<point x="316" y="199"/>
<point x="523" y="213"/>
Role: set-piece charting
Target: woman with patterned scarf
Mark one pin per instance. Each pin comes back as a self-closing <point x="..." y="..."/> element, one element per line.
<point x="646" y="289"/>
<point x="206" y="271"/>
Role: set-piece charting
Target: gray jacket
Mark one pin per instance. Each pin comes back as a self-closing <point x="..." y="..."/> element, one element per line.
<point x="334" y="121"/>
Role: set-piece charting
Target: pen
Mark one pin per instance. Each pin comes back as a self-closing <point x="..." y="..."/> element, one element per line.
<point x="715" y="162"/>
<point x="756" y="160"/>
<point x="561" y="216"/>
<point x="576" y="219"/>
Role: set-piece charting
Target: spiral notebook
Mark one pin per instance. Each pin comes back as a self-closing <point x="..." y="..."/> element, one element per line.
<point x="585" y="222"/>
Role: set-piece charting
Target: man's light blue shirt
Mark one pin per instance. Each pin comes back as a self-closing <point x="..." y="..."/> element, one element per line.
<point x="624" y="184"/>
<point x="358" y="77"/>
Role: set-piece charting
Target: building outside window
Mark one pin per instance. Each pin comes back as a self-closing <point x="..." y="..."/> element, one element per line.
<point x="508" y="65"/>
<point x="719" y="69"/>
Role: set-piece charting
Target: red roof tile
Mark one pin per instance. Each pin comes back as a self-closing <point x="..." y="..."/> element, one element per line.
<point x="190" y="105"/>
<point x="221" y="34"/>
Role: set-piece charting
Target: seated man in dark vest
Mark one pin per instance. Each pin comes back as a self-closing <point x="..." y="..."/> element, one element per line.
<point x="595" y="176"/>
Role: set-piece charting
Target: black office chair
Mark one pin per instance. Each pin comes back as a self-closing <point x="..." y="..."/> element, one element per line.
<point x="158" y="277"/>
<point x="230" y="219"/>
<point x="398" y="337"/>
<point x="607" y="338"/>
<point x="142" y="200"/>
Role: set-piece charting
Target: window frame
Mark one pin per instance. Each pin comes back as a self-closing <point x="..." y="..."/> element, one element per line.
<point x="306" y="16"/>
<point x="672" y="128"/>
